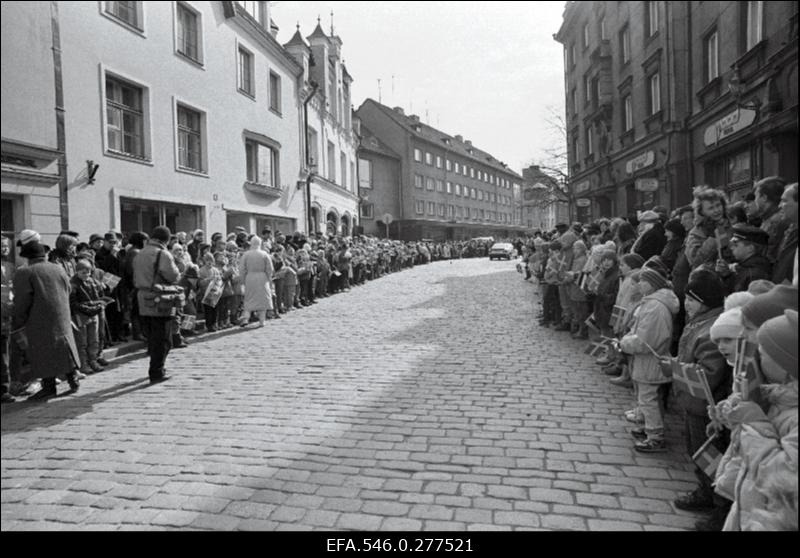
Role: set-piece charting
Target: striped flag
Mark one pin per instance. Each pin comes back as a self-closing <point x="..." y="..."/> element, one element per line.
<point x="707" y="458"/>
<point x="618" y="316"/>
<point x="691" y="379"/>
<point x="591" y="283"/>
<point x="748" y="373"/>
<point x="591" y="323"/>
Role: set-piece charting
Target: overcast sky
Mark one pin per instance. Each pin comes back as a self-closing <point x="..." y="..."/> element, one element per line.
<point x="485" y="70"/>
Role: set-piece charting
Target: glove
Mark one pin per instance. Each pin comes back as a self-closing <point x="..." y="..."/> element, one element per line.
<point x="733" y="411"/>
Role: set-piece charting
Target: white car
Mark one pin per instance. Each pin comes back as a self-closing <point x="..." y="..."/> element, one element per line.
<point x="502" y="250"/>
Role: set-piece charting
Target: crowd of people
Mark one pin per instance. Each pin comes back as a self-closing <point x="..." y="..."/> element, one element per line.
<point x="705" y="295"/>
<point x="694" y="310"/>
<point x="163" y="288"/>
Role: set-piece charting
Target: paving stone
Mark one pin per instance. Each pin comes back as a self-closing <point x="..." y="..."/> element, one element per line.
<point x="401" y="524"/>
<point x="563" y="522"/>
<point x="608" y="525"/>
<point x="551" y="495"/>
<point x="358" y="522"/>
<point x="524" y="519"/>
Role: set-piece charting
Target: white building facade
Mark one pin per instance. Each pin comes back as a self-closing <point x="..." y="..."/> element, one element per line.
<point x="330" y="138"/>
<point x="191" y="111"/>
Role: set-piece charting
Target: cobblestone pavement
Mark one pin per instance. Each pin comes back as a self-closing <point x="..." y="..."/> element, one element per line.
<point x="426" y="400"/>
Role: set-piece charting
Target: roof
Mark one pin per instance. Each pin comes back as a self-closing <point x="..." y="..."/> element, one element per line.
<point x="296" y="40"/>
<point x="432" y="135"/>
<point x="318" y="32"/>
<point x="370" y="142"/>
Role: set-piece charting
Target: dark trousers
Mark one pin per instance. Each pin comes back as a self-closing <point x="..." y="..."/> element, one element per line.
<point x="695" y="436"/>
<point x="5" y="371"/>
<point x="159" y="342"/>
<point x="552" y="304"/>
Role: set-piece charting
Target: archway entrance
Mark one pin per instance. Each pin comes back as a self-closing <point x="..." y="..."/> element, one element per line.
<point x="345" y="225"/>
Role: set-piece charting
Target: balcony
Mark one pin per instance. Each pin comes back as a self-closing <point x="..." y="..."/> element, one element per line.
<point x="263" y="189"/>
<point x="601" y="52"/>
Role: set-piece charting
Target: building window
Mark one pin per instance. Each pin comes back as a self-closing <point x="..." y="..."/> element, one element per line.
<point x="472" y="172"/>
<point x="651" y="18"/>
<point x="458" y="189"/>
<point x="655" y="93"/>
<point x="625" y="44"/>
<point x="572" y="57"/>
<point x="429" y="184"/>
<point x="343" y="169"/>
<point x="587" y="89"/>
<point x="628" y="113"/>
<point x="189" y="32"/>
<point x="439" y="185"/>
<point x="331" y="162"/>
<point x="585" y="35"/>
<point x="190" y="139"/>
<point x="313" y="149"/>
<point x="129" y="13"/>
<point x="262" y="164"/>
<point x="364" y="173"/>
<point x="418" y="180"/>
<point x="712" y="56"/>
<point x="246" y="84"/>
<point x="417" y="155"/>
<point x="419" y="207"/>
<point x="428" y="159"/>
<point x="256" y="10"/>
<point x="367" y="211"/>
<point x="458" y="168"/>
<point x="451" y="211"/>
<point x="449" y="186"/>
<point x="431" y="208"/>
<point x="589" y="143"/>
<point x="352" y="176"/>
<point x="603" y="29"/>
<point x="473" y="193"/>
<point x="448" y="164"/>
<point x="754" y="23"/>
<point x="438" y="162"/>
<point x="125" y="118"/>
<point x="274" y="92"/>
<point x="575" y="153"/>
<point x="441" y="210"/>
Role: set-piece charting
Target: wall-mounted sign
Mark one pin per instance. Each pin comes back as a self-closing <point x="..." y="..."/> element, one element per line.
<point x="640" y="162"/>
<point x="582" y="186"/>
<point x="647" y="185"/>
<point x="583" y="202"/>
<point x="734" y="122"/>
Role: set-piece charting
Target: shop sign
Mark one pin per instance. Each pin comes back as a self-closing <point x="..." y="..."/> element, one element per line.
<point x="642" y="161"/>
<point x="734" y="122"/>
<point x="647" y="185"/>
<point x="583" y="202"/>
<point x="582" y="186"/>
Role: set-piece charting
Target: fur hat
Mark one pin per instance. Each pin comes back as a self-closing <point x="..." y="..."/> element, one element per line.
<point x="27" y="236"/>
<point x="728" y="325"/>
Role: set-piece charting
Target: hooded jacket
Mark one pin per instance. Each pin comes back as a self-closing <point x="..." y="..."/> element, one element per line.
<point x="628" y="297"/>
<point x="652" y="325"/>
<point x="759" y="470"/>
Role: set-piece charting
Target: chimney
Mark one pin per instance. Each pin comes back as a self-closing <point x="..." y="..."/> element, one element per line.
<point x="468" y="142"/>
<point x="400" y="111"/>
<point x="459" y="138"/>
<point x="414" y="118"/>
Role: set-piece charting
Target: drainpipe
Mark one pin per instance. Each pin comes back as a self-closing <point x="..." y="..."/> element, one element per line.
<point x="309" y="223"/>
<point x="61" y="140"/>
<point x="690" y="74"/>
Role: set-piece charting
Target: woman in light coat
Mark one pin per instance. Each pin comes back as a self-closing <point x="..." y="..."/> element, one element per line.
<point x="255" y="267"/>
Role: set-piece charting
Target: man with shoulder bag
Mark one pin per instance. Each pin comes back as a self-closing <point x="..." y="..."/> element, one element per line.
<point x="155" y="276"/>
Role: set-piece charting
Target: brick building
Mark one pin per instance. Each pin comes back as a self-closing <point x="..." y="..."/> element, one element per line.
<point x="650" y="110"/>
<point x="446" y="188"/>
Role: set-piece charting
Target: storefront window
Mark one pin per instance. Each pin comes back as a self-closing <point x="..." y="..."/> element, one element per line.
<point x="142" y="215"/>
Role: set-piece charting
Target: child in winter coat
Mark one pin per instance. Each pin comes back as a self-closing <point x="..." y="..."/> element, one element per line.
<point x="649" y="340"/>
<point x="207" y="275"/>
<point x="628" y="297"/>
<point x="86" y="304"/>
<point x="577" y="298"/>
<point x="552" y="303"/>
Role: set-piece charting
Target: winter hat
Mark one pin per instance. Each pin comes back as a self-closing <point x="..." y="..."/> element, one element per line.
<point x="610" y="245"/>
<point x="737" y="300"/>
<point x="706" y="287"/>
<point x="27" y="236"/>
<point x="633" y="261"/>
<point x="568" y="239"/>
<point x="648" y="217"/>
<point x="728" y="325"/>
<point x="580" y="244"/>
<point x="770" y="305"/>
<point x="555" y="245"/>
<point x="33" y="249"/>
<point x="760" y="286"/>
<point x="778" y="339"/>
<point x="190" y="273"/>
<point x="657" y="264"/>
<point x="674" y="226"/>
<point x="653" y="277"/>
<point x="95" y="237"/>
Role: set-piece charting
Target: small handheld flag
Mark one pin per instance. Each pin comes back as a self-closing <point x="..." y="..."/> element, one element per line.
<point x="708" y="457"/>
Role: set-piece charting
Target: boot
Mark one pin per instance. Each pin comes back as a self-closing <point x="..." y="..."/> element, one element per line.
<point x="583" y="332"/>
<point x="563" y="326"/>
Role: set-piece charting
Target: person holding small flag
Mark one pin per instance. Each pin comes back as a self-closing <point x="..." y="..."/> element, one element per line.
<point x="648" y="340"/>
<point x="704" y="304"/>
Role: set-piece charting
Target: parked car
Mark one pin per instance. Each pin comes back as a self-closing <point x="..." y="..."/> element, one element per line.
<point x="502" y="250"/>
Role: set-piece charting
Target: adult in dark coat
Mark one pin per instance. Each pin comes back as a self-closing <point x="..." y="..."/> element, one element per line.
<point x="607" y="291"/>
<point x="747" y="244"/>
<point x="676" y="235"/>
<point x="787" y="250"/>
<point x="42" y="318"/>
<point x="652" y="240"/>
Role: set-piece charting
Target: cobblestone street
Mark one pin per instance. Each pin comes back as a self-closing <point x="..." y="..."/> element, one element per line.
<point x="426" y="400"/>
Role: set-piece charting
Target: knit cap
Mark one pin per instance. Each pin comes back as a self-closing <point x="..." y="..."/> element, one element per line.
<point x="770" y="304"/>
<point x="728" y="325"/>
<point x="609" y="245"/>
<point x="27" y="236"/>
<point x="737" y="300"/>
<point x="633" y="261"/>
<point x="657" y="264"/>
<point x="778" y="339"/>
<point x="653" y="277"/>
<point x="706" y="287"/>
<point x="760" y="286"/>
